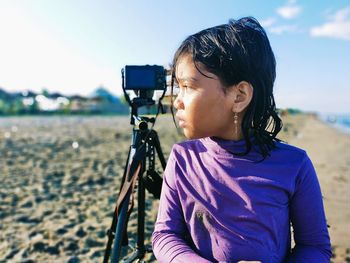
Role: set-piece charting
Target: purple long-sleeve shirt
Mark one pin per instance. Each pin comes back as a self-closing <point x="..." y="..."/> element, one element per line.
<point x="217" y="207"/>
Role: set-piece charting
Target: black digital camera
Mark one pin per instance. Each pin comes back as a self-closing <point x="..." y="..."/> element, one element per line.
<point x="144" y="81"/>
<point x="146" y="77"/>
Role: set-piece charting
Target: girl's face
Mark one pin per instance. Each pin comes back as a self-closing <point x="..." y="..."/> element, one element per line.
<point x="203" y="109"/>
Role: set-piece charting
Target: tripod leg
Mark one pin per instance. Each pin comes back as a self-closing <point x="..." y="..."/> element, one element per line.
<point x="111" y="232"/>
<point x="136" y="167"/>
<point x="141" y="216"/>
<point x="120" y="228"/>
<point x="122" y="210"/>
<point x="158" y="147"/>
<point x="120" y="217"/>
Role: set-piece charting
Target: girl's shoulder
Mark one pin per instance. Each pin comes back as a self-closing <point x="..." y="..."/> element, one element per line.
<point x="288" y="152"/>
<point x="282" y="152"/>
<point x="289" y="148"/>
<point x="188" y="146"/>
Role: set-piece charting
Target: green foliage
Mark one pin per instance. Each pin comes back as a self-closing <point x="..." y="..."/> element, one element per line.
<point x="3" y="107"/>
<point x="45" y="92"/>
<point x="294" y="111"/>
<point x="102" y="102"/>
<point x="11" y="107"/>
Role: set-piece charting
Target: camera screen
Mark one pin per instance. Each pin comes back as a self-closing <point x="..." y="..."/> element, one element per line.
<point x="140" y="78"/>
<point x="145" y="77"/>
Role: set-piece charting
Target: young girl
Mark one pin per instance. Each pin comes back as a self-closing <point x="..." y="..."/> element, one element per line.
<point x="231" y="192"/>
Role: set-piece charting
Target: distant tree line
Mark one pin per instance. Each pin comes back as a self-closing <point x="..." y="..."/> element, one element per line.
<point x="30" y="103"/>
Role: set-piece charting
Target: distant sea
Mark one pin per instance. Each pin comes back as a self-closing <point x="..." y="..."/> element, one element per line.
<point x="339" y="121"/>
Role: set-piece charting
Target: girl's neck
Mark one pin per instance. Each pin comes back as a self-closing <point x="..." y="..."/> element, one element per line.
<point x="232" y="136"/>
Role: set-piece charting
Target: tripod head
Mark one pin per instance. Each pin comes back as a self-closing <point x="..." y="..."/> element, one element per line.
<point x="143" y="80"/>
<point x="141" y="122"/>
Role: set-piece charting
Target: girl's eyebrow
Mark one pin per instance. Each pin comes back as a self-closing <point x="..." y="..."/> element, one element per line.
<point x="188" y="79"/>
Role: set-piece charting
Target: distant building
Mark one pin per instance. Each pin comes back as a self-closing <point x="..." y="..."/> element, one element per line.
<point x="50" y="104"/>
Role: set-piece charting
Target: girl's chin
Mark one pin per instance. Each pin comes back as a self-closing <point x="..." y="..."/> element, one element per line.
<point x="181" y="123"/>
<point x="188" y="134"/>
<point x="191" y="135"/>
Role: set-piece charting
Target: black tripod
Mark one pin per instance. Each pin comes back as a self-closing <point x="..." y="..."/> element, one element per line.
<point x="141" y="158"/>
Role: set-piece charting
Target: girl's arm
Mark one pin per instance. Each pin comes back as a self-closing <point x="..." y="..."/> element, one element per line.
<point x="308" y="219"/>
<point x="169" y="236"/>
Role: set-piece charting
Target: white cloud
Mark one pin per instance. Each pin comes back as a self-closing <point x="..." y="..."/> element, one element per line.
<point x="338" y="26"/>
<point x="289" y="11"/>
<point x="342" y="14"/>
<point x="268" y="22"/>
<point x="283" y="29"/>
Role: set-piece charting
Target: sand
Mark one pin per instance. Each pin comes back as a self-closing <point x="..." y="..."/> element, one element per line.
<point x="60" y="177"/>
<point x="329" y="151"/>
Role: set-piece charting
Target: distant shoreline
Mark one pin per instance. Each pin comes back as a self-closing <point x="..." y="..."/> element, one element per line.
<point x="340" y="122"/>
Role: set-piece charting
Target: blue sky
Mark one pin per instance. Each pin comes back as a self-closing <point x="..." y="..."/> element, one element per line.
<point x="74" y="46"/>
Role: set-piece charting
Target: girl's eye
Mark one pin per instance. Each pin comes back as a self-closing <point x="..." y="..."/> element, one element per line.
<point x="185" y="87"/>
<point x="182" y="89"/>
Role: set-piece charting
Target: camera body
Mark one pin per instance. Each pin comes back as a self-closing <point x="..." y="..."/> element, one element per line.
<point x="147" y="77"/>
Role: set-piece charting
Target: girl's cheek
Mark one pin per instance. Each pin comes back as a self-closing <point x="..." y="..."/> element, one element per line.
<point x="191" y="96"/>
<point x="187" y="100"/>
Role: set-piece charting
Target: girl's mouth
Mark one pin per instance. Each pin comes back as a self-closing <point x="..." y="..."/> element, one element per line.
<point x="181" y="123"/>
<point x="181" y="120"/>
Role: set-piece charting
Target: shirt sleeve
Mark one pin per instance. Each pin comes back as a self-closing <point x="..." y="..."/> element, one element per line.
<point x="170" y="233"/>
<point x="308" y="219"/>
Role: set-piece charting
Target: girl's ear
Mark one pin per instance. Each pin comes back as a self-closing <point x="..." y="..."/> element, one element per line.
<point x="241" y="95"/>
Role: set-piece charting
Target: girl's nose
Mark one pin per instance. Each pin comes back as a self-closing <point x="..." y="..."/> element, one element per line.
<point x="178" y="103"/>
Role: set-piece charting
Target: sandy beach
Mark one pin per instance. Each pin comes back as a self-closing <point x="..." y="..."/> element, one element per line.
<point x="329" y="151"/>
<point x="60" y="177"/>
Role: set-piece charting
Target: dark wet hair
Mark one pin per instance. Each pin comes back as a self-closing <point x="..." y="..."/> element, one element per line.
<point x="240" y="51"/>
